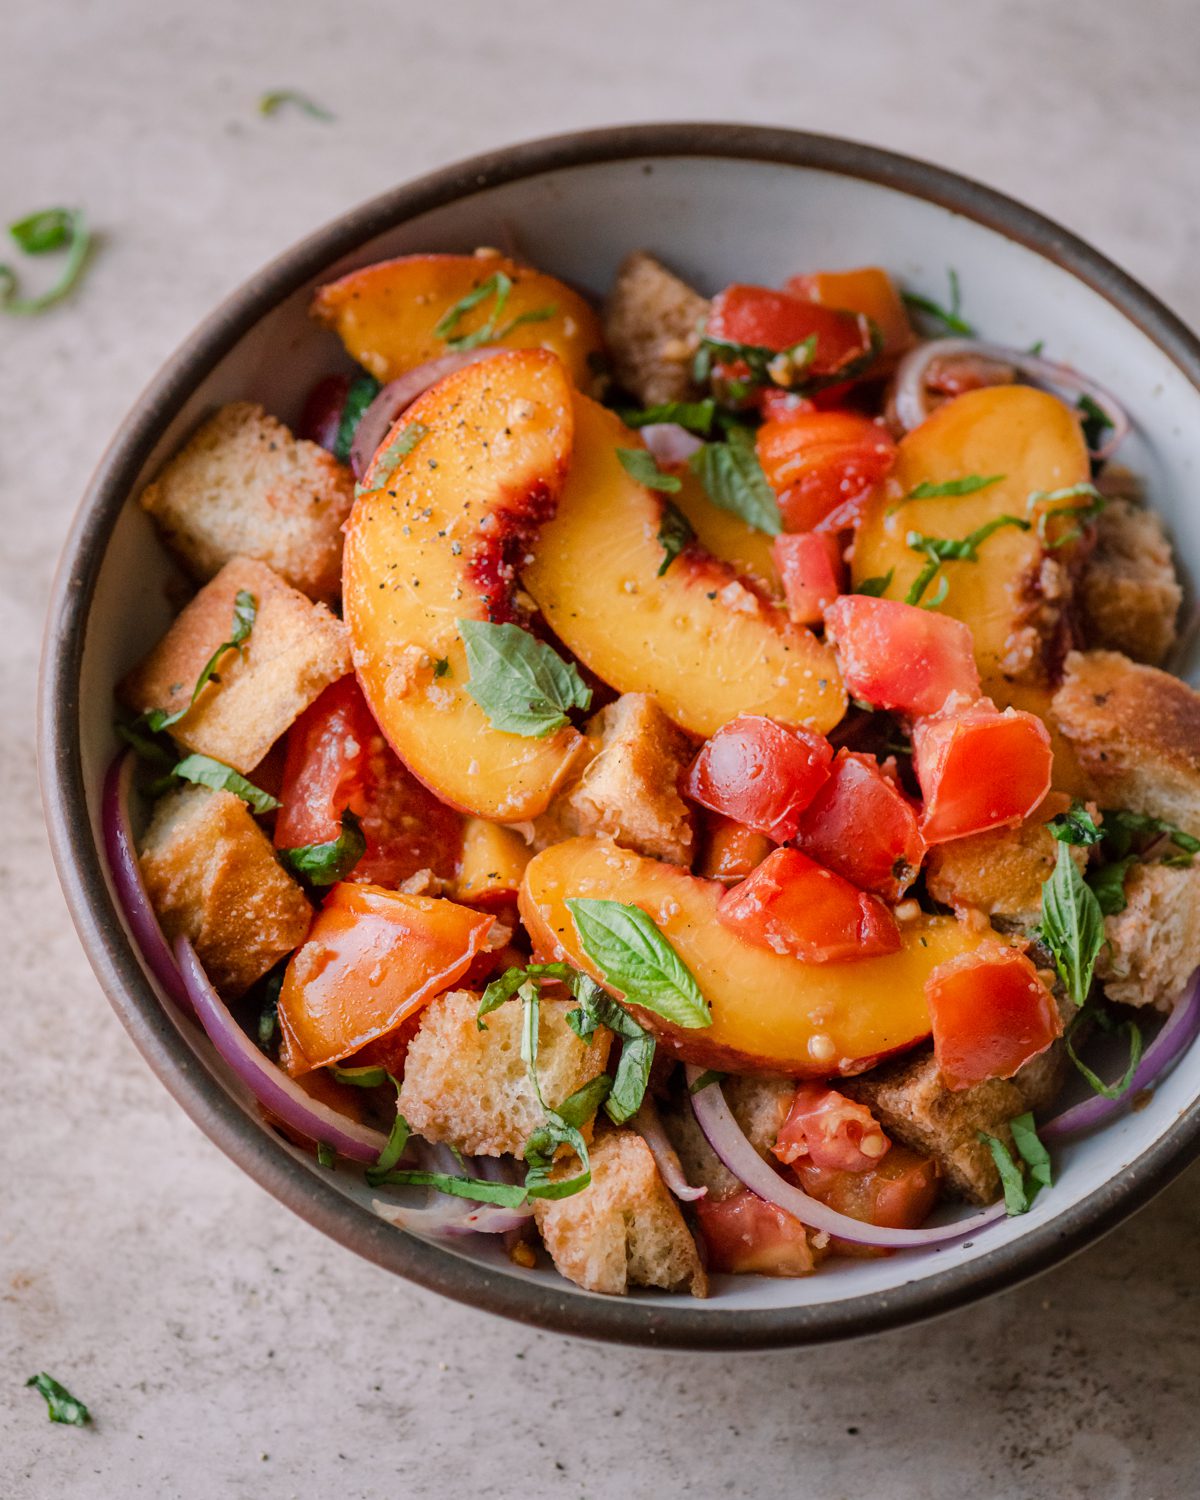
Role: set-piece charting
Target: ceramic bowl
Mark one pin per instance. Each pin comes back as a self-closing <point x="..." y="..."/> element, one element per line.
<point x="718" y="203"/>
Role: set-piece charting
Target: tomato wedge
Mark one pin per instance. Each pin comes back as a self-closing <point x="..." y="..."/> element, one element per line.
<point x="861" y="825"/>
<point x="990" y="1014"/>
<point x="769" y="319"/>
<point x="898" y="1192"/>
<point x="980" y="769"/>
<point x="791" y="904"/>
<point x="829" y="1130"/>
<point x="810" y="565"/>
<point x="745" y="1235"/>
<point x="823" y="466"/>
<point x="760" y="773"/>
<point x="902" y="657"/>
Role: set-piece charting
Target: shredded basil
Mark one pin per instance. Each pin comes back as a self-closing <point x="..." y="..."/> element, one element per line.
<point x="1076" y="826"/>
<point x="37" y="234"/>
<point x="478" y="1189"/>
<point x="326" y="1156"/>
<point x="61" y="1406"/>
<point x="268" y="1016"/>
<point x="939" y="549"/>
<point x="507" y="985"/>
<point x="271" y="103"/>
<point x="385" y="466"/>
<point x="635" y="958"/>
<point x="637" y="1046"/>
<point x="1020" y="1187"/>
<point x="245" y="609"/>
<point x="1072" y="926"/>
<point x="675" y="533"/>
<point x="500" y="287"/>
<point x="1096" y="421"/>
<point x="1121" y="827"/>
<point x="767" y="366"/>
<point x="1107" y="883"/>
<point x="876" y="587"/>
<point x="361" y="392"/>
<point x="639" y="464"/>
<point x="970" y="484"/>
<point x="732" y="478"/>
<point x="326" y="863"/>
<point x="1132" y="1030"/>
<point x="950" y="317"/>
<point x="523" y="685"/>
<point x="694" y="416"/>
<point x="203" y="770"/>
<point x="1085" y="513"/>
<point x="706" y="1080"/>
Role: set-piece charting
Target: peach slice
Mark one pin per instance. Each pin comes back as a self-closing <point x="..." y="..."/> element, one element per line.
<point x="705" y="643"/>
<point x="747" y="550"/>
<point x="771" y="1013"/>
<point x="387" y="314"/>
<point x="431" y="540"/>
<point x="493" y="861"/>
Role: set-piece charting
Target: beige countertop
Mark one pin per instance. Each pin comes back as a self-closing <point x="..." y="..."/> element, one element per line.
<point x="225" y="1348"/>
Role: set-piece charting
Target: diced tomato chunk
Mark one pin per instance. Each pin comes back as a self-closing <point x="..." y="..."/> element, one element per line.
<point x="760" y="773"/>
<point x="980" y="769"/>
<point x="898" y="1192"/>
<point x="990" y="1014"/>
<point x="337" y="758"/>
<point x="861" y="825"/>
<point x="868" y="290"/>
<point x="777" y="405"/>
<point x="828" y="1129"/>
<point x="810" y="565"/>
<point x="902" y="657"/>
<point x="791" y="904"/>
<point x="745" y="1235"/>
<point x="823" y="465"/>
<point x="769" y="319"/>
<point x="730" y="850"/>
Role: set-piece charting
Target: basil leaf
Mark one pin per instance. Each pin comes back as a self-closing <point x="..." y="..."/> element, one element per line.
<point x="1076" y="826"/>
<point x="557" y="1130"/>
<point x="205" y="771"/>
<point x="1107" y="883"/>
<point x="876" y="587"/>
<point x="47" y="229"/>
<point x="61" y="1406"/>
<point x="675" y="533"/>
<point x="507" y="1194"/>
<point x="1072" y="926"/>
<point x="635" y="958"/>
<point x="706" y="1080"/>
<point x="1121" y="827"/>
<point x="948" y="317"/>
<point x="523" y="686"/>
<point x="580" y="1106"/>
<point x="1107" y="1090"/>
<point x="500" y="287"/>
<point x="272" y="102"/>
<point x="327" y="863"/>
<point x="779" y="367"/>
<point x="1012" y="1179"/>
<point x="970" y="484"/>
<point x="326" y="1156"/>
<point x="1096" y="421"/>
<point x="637" y="1046"/>
<point x="1085" y="513"/>
<point x="694" y="416"/>
<point x="1033" y="1153"/>
<point x="151" y="750"/>
<point x="940" y="549"/>
<point x="507" y="985"/>
<point x="245" y="608"/>
<point x="639" y="464"/>
<point x="359" y="395"/>
<point x="400" y="447"/>
<point x="732" y="478"/>
<point x="78" y="243"/>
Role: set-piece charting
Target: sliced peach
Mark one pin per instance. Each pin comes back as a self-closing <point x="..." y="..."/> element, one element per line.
<point x="435" y="543"/>
<point x="708" y="645"/>
<point x="771" y="1013"/>
<point x="387" y="314"/>
<point x="492" y="863"/>
<point x="746" y="549"/>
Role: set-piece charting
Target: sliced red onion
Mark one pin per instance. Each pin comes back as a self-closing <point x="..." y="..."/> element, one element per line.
<point x="725" y="1136"/>
<point x="1177" y="1033"/>
<point x="273" y="1089"/>
<point x="399" y="394"/>
<point x="445" y="1214"/>
<point x="912" y="406"/>
<point x="648" y="1125"/>
<point x="669" y="443"/>
<point x="121" y="850"/>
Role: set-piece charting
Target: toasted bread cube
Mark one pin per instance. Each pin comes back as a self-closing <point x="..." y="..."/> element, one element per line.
<point x="1000" y="873"/>
<point x="245" y="487"/>
<point x="624" y="1229"/>
<point x="295" y="649"/>
<point x="471" y="1088"/>
<point x="652" y="324"/>
<point x="1136" y="734"/>
<point x="1154" y="944"/>
<point x="759" y="1104"/>
<point x="212" y="877"/>
<point x="1130" y="594"/>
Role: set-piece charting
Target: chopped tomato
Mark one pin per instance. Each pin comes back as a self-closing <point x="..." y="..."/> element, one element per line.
<point x="897" y="1192"/>
<point x="980" y="769"/>
<point x="861" y="825"/>
<point x="823" y="465"/>
<point x="760" y="773"/>
<point x="745" y="1235"/>
<point x="337" y="758"/>
<point x="829" y="1130"/>
<point x="776" y="404"/>
<point x="768" y="319"/>
<point x="731" y="850"/>
<point x="867" y="290"/>
<point x="372" y="958"/>
<point x="790" y="904"/>
<point x="902" y="657"/>
<point x="990" y="1014"/>
<point x="810" y="565"/>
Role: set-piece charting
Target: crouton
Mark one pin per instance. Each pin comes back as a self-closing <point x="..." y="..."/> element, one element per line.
<point x="628" y="789"/>
<point x="1129" y="594"/>
<point x="212" y="877"/>
<point x="245" y="487"/>
<point x="652" y="323"/>
<point x="294" y="650"/>
<point x="471" y="1088"/>
<point x="1136" y="734"/>
<point x="1154" y="944"/>
<point x="624" y="1229"/>
<point x="759" y="1104"/>
<point x="1000" y="873"/>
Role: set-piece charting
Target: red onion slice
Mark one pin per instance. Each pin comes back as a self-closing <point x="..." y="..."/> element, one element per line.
<point x="399" y="394"/>
<point x="444" y="1214"/>
<point x="648" y="1125"/>
<point x="121" y="850"/>
<point x="669" y="443"/>
<point x="912" y="406"/>
<point x="273" y="1089"/>
<point x="1177" y="1033"/>
<point x="724" y="1135"/>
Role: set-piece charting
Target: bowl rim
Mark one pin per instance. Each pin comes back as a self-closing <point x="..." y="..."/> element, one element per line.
<point x="79" y="859"/>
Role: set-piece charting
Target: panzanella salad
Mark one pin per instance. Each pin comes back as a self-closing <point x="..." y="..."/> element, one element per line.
<point x="681" y="787"/>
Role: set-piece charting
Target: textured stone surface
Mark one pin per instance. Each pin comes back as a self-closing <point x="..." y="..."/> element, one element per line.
<point x="225" y="1348"/>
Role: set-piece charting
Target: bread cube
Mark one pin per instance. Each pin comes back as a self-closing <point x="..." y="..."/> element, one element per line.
<point x="651" y="323"/>
<point x="1129" y="593"/>
<point x="1154" y="944"/>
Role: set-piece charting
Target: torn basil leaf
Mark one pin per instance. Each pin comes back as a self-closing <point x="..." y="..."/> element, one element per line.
<point x="1076" y="826"/>
<point x="636" y="959"/>
<point x="693" y="416"/>
<point x="1072" y="926"/>
<point x="639" y="464"/>
<point x="637" y="1046"/>
<point x="876" y="587"/>
<point x="732" y="478"/>
<point x="271" y="103"/>
<point x="523" y="685"/>
<point x="328" y="862"/>
<point x="61" y="1406"/>
<point x="950" y="317"/>
<point x="215" y="774"/>
<point x="675" y="533"/>
<point x="385" y="466"/>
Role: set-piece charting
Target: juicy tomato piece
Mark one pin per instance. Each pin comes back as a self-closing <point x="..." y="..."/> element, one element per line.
<point x="980" y="769"/>
<point x="760" y="773"/>
<point x="823" y="466"/>
<point x="747" y="1236"/>
<point x="337" y="758"/>
<point x="869" y="290"/>
<point x="791" y="904"/>
<point x="776" y="404"/>
<point x="990" y="1014"/>
<point x="829" y="1130"/>
<point x="810" y="565"/>
<point x="861" y="825"/>
<point x="769" y="319"/>
<point x="898" y="1192"/>
<point x="899" y="656"/>
<point x="372" y="958"/>
<point x="731" y="850"/>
